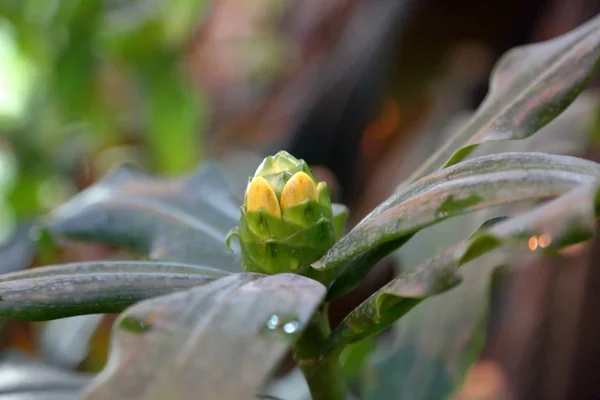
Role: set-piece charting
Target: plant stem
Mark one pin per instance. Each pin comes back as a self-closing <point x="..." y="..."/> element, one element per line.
<point x="323" y="373"/>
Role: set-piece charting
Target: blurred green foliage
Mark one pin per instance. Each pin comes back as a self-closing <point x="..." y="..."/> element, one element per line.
<point x="88" y="84"/>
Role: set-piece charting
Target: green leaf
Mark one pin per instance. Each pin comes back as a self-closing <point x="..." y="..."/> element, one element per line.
<point x="529" y="87"/>
<point x="340" y="215"/>
<point x="354" y="358"/>
<point x="219" y="341"/>
<point x="142" y="27"/>
<point x="438" y="340"/>
<point x="18" y="251"/>
<point x="455" y="322"/>
<point x="566" y="220"/>
<point x="568" y="134"/>
<point x="183" y="220"/>
<point x="93" y="287"/>
<point x="472" y="185"/>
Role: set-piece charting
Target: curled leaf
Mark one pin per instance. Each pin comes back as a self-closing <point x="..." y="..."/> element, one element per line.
<point x="472" y="185"/>
<point x="529" y="87"/>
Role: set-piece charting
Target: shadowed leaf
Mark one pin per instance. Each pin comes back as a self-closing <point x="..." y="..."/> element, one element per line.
<point x="182" y="220"/>
<point x="439" y="339"/>
<point x="453" y="324"/>
<point x="66" y="342"/>
<point x="472" y="185"/>
<point x="219" y="341"/>
<point x="529" y="87"/>
<point x="93" y="287"/>
<point x="33" y="381"/>
<point x="568" y="134"/>
<point x="18" y="251"/>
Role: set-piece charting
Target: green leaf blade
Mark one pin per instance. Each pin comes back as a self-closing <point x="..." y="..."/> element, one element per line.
<point x="529" y="87"/>
<point x="477" y="184"/>
<point x="200" y="341"/>
<point x="94" y="287"/>
<point x="438" y="340"/>
<point x="565" y="220"/>
<point x="179" y="220"/>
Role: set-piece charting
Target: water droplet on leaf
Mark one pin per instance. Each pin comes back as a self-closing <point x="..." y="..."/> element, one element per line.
<point x="281" y="325"/>
<point x="274" y="321"/>
<point x="291" y="327"/>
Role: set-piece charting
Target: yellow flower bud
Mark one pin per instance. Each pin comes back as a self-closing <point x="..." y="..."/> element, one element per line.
<point x="297" y="190"/>
<point x="261" y="196"/>
<point x="286" y="223"/>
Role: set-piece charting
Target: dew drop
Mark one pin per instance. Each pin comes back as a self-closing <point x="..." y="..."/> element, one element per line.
<point x="274" y="321"/>
<point x="282" y="326"/>
<point x="291" y="327"/>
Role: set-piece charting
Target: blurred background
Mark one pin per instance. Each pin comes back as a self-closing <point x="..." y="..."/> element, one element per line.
<point x="363" y="90"/>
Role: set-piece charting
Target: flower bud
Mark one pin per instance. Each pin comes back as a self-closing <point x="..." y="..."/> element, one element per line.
<point x="286" y="220"/>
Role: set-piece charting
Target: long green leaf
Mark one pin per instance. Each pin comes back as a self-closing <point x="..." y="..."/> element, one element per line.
<point x="182" y="220"/>
<point x="566" y="220"/>
<point x="529" y="87"/>
<point x="438" y="340"/>
<point x="93" y="287"/>
<point x="219" y="341"/>
<point x="569" y="134"/>
<point x="469" y="186"/>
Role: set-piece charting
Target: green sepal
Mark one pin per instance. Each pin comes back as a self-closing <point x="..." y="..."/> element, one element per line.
<point x="295" y="253"/>
<point x="305" y="213"/>
<point x="260" y="225"/>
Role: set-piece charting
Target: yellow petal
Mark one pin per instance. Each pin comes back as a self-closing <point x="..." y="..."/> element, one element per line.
<point x="262" y="197"/>
<point x="298" y="189"/>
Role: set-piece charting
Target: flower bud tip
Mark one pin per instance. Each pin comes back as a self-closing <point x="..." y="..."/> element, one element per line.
<point x="261" y="196"/>
<point x="298" y="189"/>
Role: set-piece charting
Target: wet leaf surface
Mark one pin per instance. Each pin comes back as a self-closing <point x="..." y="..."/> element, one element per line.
<point x="194" y="344"/>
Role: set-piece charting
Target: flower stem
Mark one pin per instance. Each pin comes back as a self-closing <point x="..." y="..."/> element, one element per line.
<point x="323" y="373"/>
